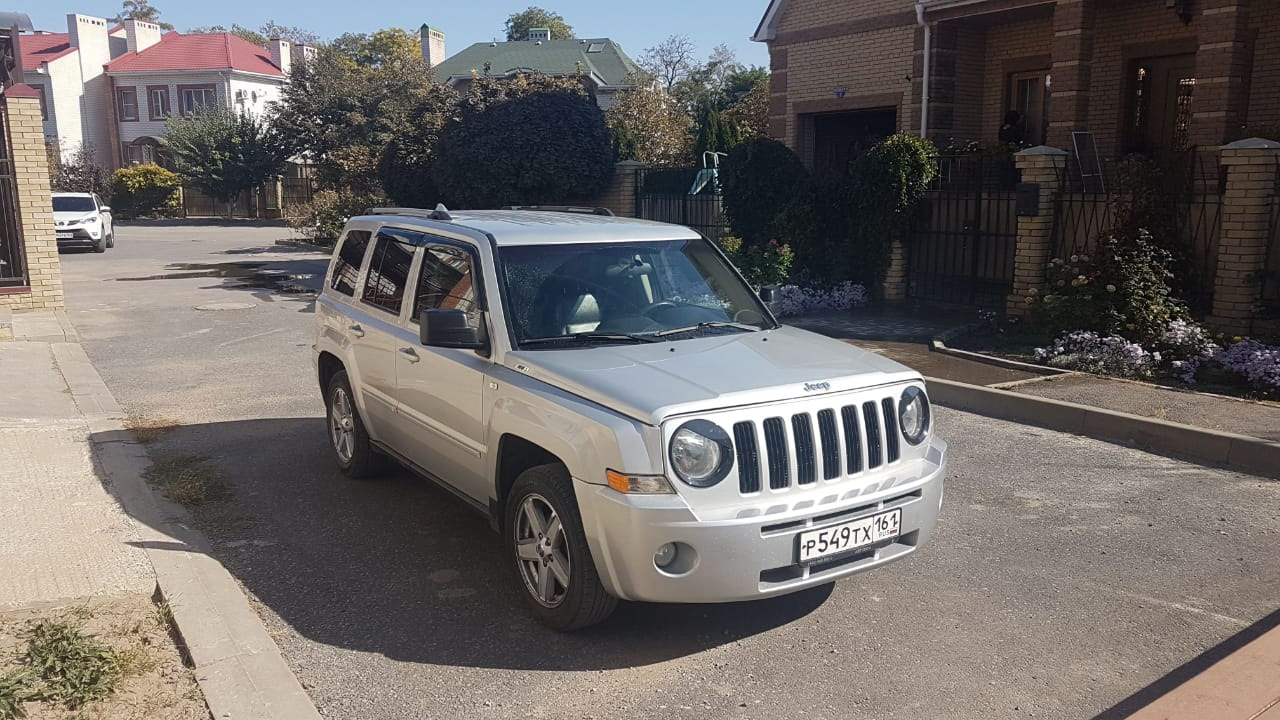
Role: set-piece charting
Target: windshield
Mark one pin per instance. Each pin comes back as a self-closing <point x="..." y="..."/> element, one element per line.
<point x="611" y="292"/>
<point x="73" y="204"/>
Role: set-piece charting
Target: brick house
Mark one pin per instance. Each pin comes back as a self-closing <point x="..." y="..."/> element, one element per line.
<point x="1141" y="75"/>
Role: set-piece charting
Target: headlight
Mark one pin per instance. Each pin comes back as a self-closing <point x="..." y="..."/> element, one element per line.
<point x="89" y="220"/>
<point x="913" y="415"/>
<point x="701" y="453"/>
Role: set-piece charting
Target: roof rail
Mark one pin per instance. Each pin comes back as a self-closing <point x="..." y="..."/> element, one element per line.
<point x="606" y="212"/>
<point x="440" y="213"/>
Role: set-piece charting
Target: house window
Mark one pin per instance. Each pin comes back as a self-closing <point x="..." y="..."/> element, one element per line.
<point x="1029" y="96"/>
<point x="197" y="97"/>
<point x="139" y="154"/>
<point x="158" y="101"/>
<point x="44" y="108"/>
<point x="127" y="104"/>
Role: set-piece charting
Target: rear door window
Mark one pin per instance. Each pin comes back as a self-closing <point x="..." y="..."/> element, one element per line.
<point x="350" y="257"/>
<point x="388" y="272"/>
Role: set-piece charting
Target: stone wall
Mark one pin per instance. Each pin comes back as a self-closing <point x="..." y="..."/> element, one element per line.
<point x="21" y="108"/>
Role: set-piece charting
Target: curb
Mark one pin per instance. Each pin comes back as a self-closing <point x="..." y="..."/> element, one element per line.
<point x="1200" y="445"/>
<point x="938" y="345"/>
<point x="238" y="666"/>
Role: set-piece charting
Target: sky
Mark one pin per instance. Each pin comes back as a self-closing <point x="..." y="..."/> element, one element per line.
<point x="635" y="25"/>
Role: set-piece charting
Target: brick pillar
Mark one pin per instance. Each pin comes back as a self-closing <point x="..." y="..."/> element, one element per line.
<point x="1253" y="168"/>
<point x="1220" y="104"/>
<point x="33" y="205"/>
<point x="620" y="196"/>
<point x="942" y="81"/>
<point x="1073" y="22"/>
<point x="1044" y="166"/>
<point x="894" y="288"/>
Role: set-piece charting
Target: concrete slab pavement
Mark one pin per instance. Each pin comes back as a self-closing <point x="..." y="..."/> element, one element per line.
<point x="77" y="520"/>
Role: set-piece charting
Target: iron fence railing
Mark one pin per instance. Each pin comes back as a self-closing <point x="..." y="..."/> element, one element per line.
<point x="668" y="196"/>
<point x="13" y="261"/>
<point x="1180" y="204"/>
<point x="962" y="244"/>
<point x="1271" y="273"/>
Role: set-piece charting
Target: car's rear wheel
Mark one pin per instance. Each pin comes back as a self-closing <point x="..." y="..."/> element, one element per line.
<point x="549" y="551"/>
<point x="347" y="435"/>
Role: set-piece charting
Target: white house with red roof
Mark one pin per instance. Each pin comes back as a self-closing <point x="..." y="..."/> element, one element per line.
<point x="114" y="88"/>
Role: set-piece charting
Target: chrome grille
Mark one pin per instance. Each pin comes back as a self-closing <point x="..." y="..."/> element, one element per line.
<point x="848" y="440"/>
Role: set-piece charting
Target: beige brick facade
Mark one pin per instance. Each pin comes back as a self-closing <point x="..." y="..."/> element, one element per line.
<point x="34" y="208"/>
<point x="872" y="52"/>
<point x="1253" y="172"/>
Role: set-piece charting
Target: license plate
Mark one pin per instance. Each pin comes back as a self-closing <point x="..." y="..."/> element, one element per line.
<point x="842" y="538"/>
<point x="63" y="236"/>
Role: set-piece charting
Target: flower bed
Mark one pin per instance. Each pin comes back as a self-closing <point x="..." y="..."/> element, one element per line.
<point x="793" y="300"/>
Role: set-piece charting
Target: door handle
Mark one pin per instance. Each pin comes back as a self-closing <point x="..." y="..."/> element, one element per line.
<point x="410" y="354"/>
<point x="356" y="330"/>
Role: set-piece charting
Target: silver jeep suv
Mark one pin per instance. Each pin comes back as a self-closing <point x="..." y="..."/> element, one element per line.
<point x="621" y="405"/>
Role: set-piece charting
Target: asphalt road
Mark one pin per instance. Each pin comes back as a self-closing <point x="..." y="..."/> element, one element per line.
<point x="1068" y="578"/>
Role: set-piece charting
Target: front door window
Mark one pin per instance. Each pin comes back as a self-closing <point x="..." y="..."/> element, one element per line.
<point x="1161" y="94"/>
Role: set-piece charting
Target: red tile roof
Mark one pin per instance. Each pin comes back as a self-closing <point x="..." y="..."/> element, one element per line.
<point x="42" y="48"/>
<point x="216" y="51"/>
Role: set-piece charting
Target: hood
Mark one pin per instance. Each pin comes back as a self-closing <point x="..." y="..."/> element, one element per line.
<point x="60" y="217"/>
<point x="653" y="382"/>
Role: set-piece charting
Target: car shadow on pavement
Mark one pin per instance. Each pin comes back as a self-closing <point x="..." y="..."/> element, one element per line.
<point x="399" y="567"/>
<point x="266" y="280"/>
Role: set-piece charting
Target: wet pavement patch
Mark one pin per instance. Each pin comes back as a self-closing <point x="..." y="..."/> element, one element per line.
<point x="247" y="275"/>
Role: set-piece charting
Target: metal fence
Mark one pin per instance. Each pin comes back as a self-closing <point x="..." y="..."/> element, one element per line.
<point x="665" y="196"/>
<point x="1181" y="201"/>
<point x="13" y="271"/>
<point x="249" y="204"/>
<point x="961" y="248"/>
<point x="296" y="191"/>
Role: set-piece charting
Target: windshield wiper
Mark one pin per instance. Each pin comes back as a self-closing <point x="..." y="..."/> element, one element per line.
<point x="706" y="325"/>
<point x="588" y="337"/>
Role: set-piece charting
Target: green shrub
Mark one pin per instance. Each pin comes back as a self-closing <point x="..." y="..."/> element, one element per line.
<point x="759" y="180"/>
<point x="524" y="142"/>
<point x="770" y="265"/>
<point x="1122" y="290"/>
<point x="321" y="220"/>
<point x="145" y="191"/>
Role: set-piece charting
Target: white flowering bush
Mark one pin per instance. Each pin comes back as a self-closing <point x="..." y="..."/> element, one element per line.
<point x="1257" y="362"/>
<point x="793" y="300"/>
<point x="1089" y="352"/>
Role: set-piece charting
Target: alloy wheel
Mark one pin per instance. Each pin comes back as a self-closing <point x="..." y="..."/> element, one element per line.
<point x="542" y="551"/>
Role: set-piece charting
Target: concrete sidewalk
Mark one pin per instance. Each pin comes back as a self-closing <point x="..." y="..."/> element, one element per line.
<point x="62" y="535"/>
<point x="78" y="521"/>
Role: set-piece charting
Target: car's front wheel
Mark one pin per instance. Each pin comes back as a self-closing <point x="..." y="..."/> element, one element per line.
<point x="347" y="435"/>
<point x="549" y="550"/>
<point x="111" y="240"/>
<point x="100" y="245"/>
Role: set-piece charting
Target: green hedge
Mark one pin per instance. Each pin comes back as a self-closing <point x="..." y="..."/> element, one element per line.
<point x="145" y="191"/>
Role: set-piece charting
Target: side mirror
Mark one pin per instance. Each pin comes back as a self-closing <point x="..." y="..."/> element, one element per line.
<point x="767" y="294"/>
<point x="451" y="329"/>
<point x="105" y="208"/>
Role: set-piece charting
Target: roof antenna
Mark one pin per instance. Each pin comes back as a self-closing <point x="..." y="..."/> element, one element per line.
<point x="441" y="213"/>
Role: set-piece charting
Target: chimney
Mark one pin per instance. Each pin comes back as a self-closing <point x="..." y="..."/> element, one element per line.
<point x="281" y="54"/>
<point x="432" y="45"/>
<point x="140" y="35"/>
<point x="303" y="54"/>
<point x="88" y="35"/>
<point x="540" y="33"/>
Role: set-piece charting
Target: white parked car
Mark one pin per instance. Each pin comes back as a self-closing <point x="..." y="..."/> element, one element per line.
<point x="621" y="405"/>
<point x="82" y="220"/>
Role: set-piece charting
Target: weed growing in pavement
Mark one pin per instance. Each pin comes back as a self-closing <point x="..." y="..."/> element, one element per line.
<point x="15" y="689"/>
<point x="163" y="615"/>
<point x="72" y="668"/>
<point x="147" y="430"/>
<point x="188" y="480"/>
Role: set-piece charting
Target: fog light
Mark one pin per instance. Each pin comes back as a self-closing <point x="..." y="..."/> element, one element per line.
<point x="665" y="555"/>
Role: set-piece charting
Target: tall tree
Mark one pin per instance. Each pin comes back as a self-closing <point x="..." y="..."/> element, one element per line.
<point x="389" y="47"/>
<point x="140" y="10"/>
<point x="648" y="126"/>
<point x="269" y="31"/>
<point x="518" y="24"/>
<point x="670" y="61"/>
<point x="750" y="113"/>
<point x="342" y="115"/>
<point x="223" y="153"/>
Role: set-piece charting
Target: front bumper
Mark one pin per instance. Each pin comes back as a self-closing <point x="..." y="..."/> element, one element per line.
<point x="80" y="236"/>
<point x="753" y="556"/>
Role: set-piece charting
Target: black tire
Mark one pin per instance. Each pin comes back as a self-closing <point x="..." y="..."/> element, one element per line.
<point x="101" y="245"/>
<point x="362" y="461"/>
<point x="584" y="602"/>
<point x="111" y="240"/>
